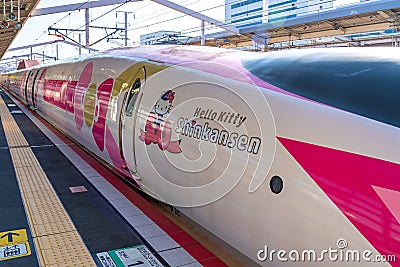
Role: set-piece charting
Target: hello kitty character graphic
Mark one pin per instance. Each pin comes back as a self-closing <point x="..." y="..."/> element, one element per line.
<point x="158" y="127"/>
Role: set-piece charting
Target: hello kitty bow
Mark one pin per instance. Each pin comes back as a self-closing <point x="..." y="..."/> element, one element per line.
<point x="168" y="95"/>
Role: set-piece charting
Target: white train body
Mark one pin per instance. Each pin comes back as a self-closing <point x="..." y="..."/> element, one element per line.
<point x="215" y="133"/>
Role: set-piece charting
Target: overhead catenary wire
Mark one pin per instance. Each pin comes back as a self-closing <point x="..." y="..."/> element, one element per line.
<point x="197" y="28"/>
<point x="92" y="20"/>
<point x="102" y="15"/>
<point x="233" y="2"/>
<point x="55" y="23"/>
<point x="155" y="14"/>
<point x="184" y="15"/>
<point x="178" y="17"/>
<point x="181" y="16"/>
<point x="111" y="11"/>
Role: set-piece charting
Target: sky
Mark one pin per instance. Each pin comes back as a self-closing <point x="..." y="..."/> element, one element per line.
<point x="146" y="17"/>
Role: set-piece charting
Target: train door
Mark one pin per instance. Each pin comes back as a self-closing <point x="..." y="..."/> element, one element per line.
<point x="32" y="83"/>
<point x="25" y="93"/>
<point x="128" y="120"/>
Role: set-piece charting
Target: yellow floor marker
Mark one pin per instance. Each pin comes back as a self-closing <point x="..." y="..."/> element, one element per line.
<point x="55" y="237"/>
<point x="14" y="244"/>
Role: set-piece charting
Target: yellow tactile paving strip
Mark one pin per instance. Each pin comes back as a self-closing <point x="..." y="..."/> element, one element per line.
<point x="56" y="239"/>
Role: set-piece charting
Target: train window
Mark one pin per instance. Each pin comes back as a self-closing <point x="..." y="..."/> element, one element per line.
<point x="133" y="94"/>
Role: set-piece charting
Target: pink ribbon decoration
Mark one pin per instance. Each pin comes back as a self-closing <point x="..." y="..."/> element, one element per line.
<point x="104" y="96"/>
<point x="159" y="134"/>
<point x="83" y="83"/>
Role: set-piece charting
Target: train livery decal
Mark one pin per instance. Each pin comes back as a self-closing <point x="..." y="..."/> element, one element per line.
<point x="222" y="137"/>
<point x="158" y="127"/>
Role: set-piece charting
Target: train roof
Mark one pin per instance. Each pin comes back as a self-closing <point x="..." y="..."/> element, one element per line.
<point x="178" y="54"/>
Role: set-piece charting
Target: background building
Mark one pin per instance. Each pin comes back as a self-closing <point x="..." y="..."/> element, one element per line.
<point x="281" y="10"/>
<point x="245" y="13"/>
<point x="253" y="12"/>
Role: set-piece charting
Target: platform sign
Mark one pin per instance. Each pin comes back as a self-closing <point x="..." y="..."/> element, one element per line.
<point x="138" y="256"/>
<point x="14" y="244"/>
<point x="106" y="260"/>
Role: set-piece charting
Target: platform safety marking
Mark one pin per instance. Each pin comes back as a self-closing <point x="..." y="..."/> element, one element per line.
<point x="129" y="257"/>
<point x="46" y="215"/>
<point x="14" y="244"/>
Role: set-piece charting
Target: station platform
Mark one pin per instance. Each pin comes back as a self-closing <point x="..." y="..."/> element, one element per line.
<point x="61" y="207"/>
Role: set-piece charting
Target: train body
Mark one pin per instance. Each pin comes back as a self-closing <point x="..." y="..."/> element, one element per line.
<point x="288" y="157"/>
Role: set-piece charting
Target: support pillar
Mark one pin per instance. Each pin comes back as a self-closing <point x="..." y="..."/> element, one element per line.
<point x="80" y="42"/>
<point x="87" y="27"/>
<point x="203" y="36"/>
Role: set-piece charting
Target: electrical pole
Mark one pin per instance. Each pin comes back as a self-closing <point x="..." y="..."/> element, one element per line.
<point x="126" y="28"/>
<point x="125" y="23"/>
<point x="87" y="27"/>
<point x="80" y="41"/>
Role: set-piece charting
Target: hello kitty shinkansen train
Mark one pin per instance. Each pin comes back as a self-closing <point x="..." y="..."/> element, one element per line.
<point x="292" y="151"/>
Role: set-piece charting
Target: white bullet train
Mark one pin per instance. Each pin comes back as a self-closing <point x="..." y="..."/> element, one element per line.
<point x="290" y="157"/>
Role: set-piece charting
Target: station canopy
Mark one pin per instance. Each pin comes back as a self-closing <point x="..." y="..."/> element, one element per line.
<point x="382" y="15"/>
<point x="8" y="33"/>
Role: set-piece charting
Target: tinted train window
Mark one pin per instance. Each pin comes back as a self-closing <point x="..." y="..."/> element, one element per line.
<point x="133" y="94"/>
<point x="365" y="86"/>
